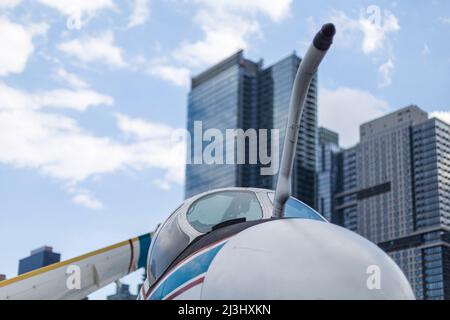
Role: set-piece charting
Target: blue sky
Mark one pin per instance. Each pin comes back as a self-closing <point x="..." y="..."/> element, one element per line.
<point x="91" y="91"/>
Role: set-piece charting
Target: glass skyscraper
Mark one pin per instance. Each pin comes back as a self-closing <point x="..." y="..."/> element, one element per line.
<point x="345" y="200"/>
<point x="395" y="191"/>
<point x="38" y="258"/>
<point x="239" y="93"/>
<point x="327" y="172"/>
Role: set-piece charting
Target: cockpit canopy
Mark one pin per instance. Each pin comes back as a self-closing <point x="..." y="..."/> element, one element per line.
<point x="200" y="214"/>
<point x="215" y="208"/>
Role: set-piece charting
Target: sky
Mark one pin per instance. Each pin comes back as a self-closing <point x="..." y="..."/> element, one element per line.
<point x="92" y="91"/>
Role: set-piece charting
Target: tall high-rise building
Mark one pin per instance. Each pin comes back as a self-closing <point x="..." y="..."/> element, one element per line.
<point x="122" y="293"/>
<point x="221" y="97"/>
<point x="385" y="175"/>
<point x="327" y="169"/>
<point x="327" y="137"/>
<point x="429" y="244"/>
<point x="345" y="209"/>
<point x="38" y="258"/>
<point x="239" y="93"/>
<point x="400" y="198"/>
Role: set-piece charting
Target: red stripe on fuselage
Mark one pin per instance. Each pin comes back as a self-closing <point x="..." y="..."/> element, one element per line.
<point x="130" y="265"/>
<point x="185" y="288"/>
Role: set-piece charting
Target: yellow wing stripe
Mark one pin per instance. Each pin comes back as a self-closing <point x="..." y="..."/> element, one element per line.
<point x="64" y="263"/>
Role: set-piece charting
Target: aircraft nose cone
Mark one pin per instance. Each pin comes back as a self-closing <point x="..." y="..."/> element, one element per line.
<point x="303" y="259"/>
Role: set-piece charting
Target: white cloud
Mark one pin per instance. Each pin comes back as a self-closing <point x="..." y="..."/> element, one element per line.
<point x="155" y="145"/>
<point x="72" y="79"/>
<point x="224" y="34"/>
<point x="445" y="20"/>
<point x="141" y="129"/>
<point x="442" y="115"/>
<point x="78" y="7"/>
<point x="176" y="75"/>
<point x="55" y="145"/>
<point x="38" y="29"/>
<point x="374" y="32"/>
<point x="386" y="70"/>
<point x="98" y="49"/>
<point x="426" y="50"/>
<point x="85" y="199"/>
<point x="275" y="10"/>
<point x="227" y="26"/>
<point x="344" y="109"/>
<point x="140" y="14"/>
<point x="80" y="100"/>
<point x="9" y="4"/>
<point x="17" y="45"/>
<point x="79" y="12"/>
<point x="371" y="31"/>
<point x="50" y="142"/>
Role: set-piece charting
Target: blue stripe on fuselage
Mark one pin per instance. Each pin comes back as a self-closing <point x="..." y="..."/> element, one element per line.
<point x="186" y="272"/>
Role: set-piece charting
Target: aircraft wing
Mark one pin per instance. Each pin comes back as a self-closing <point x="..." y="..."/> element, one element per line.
<point x="76" y="278"/>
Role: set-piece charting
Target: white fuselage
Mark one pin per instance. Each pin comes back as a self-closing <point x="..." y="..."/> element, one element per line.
<point x="286" y="259"/>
